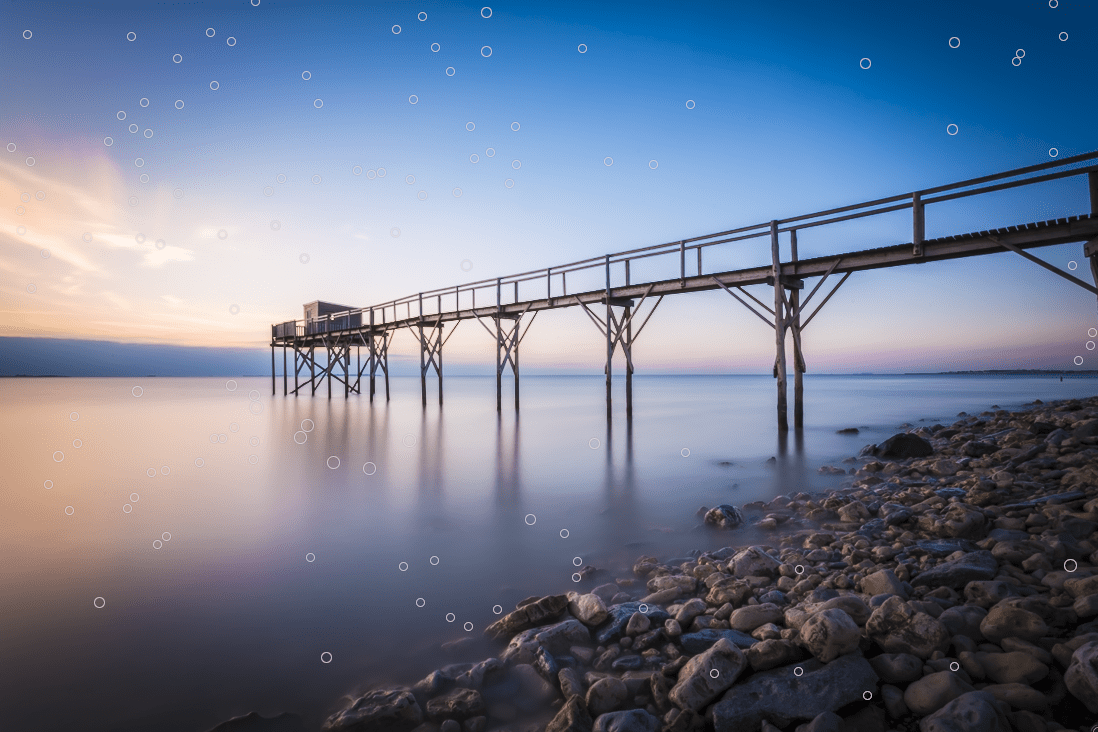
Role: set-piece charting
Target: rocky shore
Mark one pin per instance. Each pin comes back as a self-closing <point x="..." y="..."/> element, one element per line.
<point x="951" y="585"/>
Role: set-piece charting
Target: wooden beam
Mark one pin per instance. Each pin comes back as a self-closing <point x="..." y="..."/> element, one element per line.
<point x="779" y="328"/>
<point x="1046" y="265"/>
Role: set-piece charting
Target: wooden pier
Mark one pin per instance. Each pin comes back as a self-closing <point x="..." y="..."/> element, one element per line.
<point x="337" y="329"/>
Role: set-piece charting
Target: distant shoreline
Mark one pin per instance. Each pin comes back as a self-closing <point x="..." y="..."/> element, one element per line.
<point x="990" y="372"/>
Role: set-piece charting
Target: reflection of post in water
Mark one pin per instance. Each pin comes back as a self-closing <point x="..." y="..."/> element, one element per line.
<point x="791" y="475"/>
<point x="430" y="458"/>
<point x="613" y="487"/>
<point x="377" y="439"/>
<point x="508" y="482"/>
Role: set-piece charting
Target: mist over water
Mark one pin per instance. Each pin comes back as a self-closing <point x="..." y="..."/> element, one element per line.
<point x="263" y="532"/>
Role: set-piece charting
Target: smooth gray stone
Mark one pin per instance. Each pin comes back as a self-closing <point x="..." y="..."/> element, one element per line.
<point x="977" y="565"/>
<point x="695" y="643"/>
<point x="619" y="618"/>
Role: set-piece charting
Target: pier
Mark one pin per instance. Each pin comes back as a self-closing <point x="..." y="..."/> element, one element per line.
<point x="509" y="305"/>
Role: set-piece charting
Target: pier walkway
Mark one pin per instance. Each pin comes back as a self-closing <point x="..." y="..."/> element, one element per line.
<point x="507" y="303"/>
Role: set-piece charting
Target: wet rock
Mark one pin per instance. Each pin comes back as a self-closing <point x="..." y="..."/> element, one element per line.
<point x="253" y="722"/>
<point x="749" y="617"/>
<point x="897" y="628"/>
<point x="634" y="720"/>
<point x="830" y="634"/>
<point x="956" y="573"/>
<point x="854" y="512"/>
<point x="1081" y="677"/>
<point x="904" y="445"/>
<point x="458" y="704"/>
<point x="940" y="548"/>
<point x="730" y="590"/>
<point x="1005" y="621"/>
<point x="964" y="620"/>
<point x="897" y="668"/>
<point x="690" y="609"/>
<point x="724" y="516"/>
<point x="755" y="562"/>
<point x="589" y="609"/>
<point x="975" y="711"/>
<point x="706" y="675"/>
<point x="986" y="593"/>
<point x="773" y="653"/>
<point x="1019" y="696"/>
<point x="618" y="619"/>
<point x="606" y="695"/>
<point x="380" y="710"/>
<point x="893" y="699"/>
<point x="782" y="697"/>
<point x="695" y="643"/>
<point x="570" y="683"/>
<point x="932" y="692"/>
<point x="572" y="717"/>
<point x="638" y="623"/>
<point x="883" y="582"/>
<point x="529" y="616"/>
<point x="961" y="522"/>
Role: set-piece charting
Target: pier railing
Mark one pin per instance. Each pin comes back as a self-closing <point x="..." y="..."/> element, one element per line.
<point x="689" y="251"/>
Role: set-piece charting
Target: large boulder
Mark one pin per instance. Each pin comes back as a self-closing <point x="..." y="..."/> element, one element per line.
<point x="897" y="628"/>
<point x="589" y="609"/>
<point x="782" y="697"/>
<point x="904" y="445"/>
<point x="459" y="704"/>
<point x="976" y="711"/>
<point x="754" y="562"/>
<point x="956" y="573"/>
<point x="749" y="617"/>
<point x="380" y="710"/>
<point x="724" y="516"/>
<point x="1081" y="677"/>
<point x="830" y="634"/>
<point x="933" y="691"/>
<point x="634" y="720"/>
<point x="706" y="675"/>
<point x="1007" y="621"/>
<point x="572" y="717"/>
<point x="528" y="616"/>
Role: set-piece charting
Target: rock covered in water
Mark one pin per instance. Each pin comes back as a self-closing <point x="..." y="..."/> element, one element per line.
<point x="380" y="710"/>
<point x="725" y="516"/>
<point x="528" y="616"/>
<point x="253" y="722"/>
<point x="904" y="445"/>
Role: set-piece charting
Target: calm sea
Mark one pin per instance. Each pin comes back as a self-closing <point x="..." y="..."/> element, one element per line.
<point x="268" y="553"/>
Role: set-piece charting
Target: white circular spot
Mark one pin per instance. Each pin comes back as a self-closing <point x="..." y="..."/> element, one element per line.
<point x="74" y="416"/>
<point x="32" y="288"/>
<point x="11" y="145"/>
<point x="151" y="472"/>
<point x="230" y="41"/>
<point x="69" y="510"/>
<point x="148" y="134"/>
<point x="178" y="193"/>
<point x="954" y="666"/>
<point x="450" y="71"/>
<point x="357" y="170"/>
<point x="798" y="671"/>
<point x="234" y="427"/>
<point x="255" y="3"/>
<point x="1053" y="152"/>
<point x="137" y="391"/>
<point x="576" y="577"/>
<point x="509" y="183"/>
<point x="144" y="102"/>
<point x="410" y="179"/>
<point x="199" y="462"/>
<point x="164" y="470"/>
<point x="268" y="191"/>
<point x="582" y="48"/>
<point x="30" y="162"/>
<point x="450" y="617"/>
<point x="564" y="533"/>
<point x="99" y="602"/>
<point x="485" y="51"/>
<point x="420" y="602"/>
<point x="577" y="561"/>
<point x="643" y="608"/>
<point x="422" y="16"/>
<point x="1073" y="265"/>
<point x="422" y="195"/>
<point x="133" y="201"/>
<point x="434" y="561"/>
<point x="381" y="172"/>
<point x="371" y="174"/>
<point x="230" y="385"/>
<point x="516" y="164"/>
<point x="799" y="569"/>
<point x="497" y="609"/>
<point x="316" y="179"/>
<point x="952" y="129"/>
<point x="108" y="141"/>
<point x="474" y="158"/>
<point x="1093" y="332"/>
<point x="685" y="452"/>
<point x="1017" y="61"/>
<point x="276" y="225"/>
<point x="1020" y="53"/>
<point x="48" y="484"/>
<point x="515" y="126"/>
<point x="396" y="30"/>
<point x="253" y="460"/>
<point x="409" y="440"/>
<point x="281" y="178"/>
<point x="468" y="627"/>
<point x="222" y="234"/>
<point x="157" y="544"/>
<point x="234" y="309"/>
<point x="867" y="695"/>
<point x="77" y="443"/>
<point x="310" y="557"/>
<point x="325" y="657"/>
<point x="144" y="178"/>
<point x="394" y="232"/>
<point x="530" y="519"/>
<point x="40" y="195"/>
<point x="304" y="437"/>
<point x="139" y="162"/>
<point x="865" y="63"/>
<point x="690" y="104"/>
<point x="127" y="508"/>
<point x="214" y="85"/>
<point x="714" y="673"/>
<point x="954" y="42"/>
<point x="403" y="566"/>
<point x="177" y="58"/>
<point x="166" y="536"/>
<point x="457" y="193"/>
<point x="27" y="34"/>
<point x="653" y="164"/>
<point x="318" y="103"/>
<point x="608" y="161"/>
<point x="369" y="468"/>
<point x="20" y="210"/>
<point x="1090" y="345"/>
<point x="306" y="75"/>
<point x="1053" y="3"/>
<point x="222" y="438"/>
<point x="490" y="152"/>
<point x="131" y="36"/>
<point x="140" y="238"/>
<point x="329" y="462"/>
<point x="58" y="456"/>
<point x="1078" y="360"/>
<point x="21" y="230"/>
<point x="210" y="32"/>
<point x="466" y="265"/>
<point x="594" y="443"/>
<point x="486" y="10"/>
<point x="1070" y="565"/>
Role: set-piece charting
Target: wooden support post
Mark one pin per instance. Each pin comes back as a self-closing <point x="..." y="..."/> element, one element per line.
<point x="328" y="366"/>
<point x="627" y="347"/>
<point x="312" y="368"/>
<point x="346" y="371"/>
<point x="1092" y="183"/>
<point x="358" y="369"/>
<point x="515" y="361"/>
<point x="549" y="285"/>
<point x="918" y="232"/>
<point x="297" y="369"/>
<point x="682" y="264"/>
<point x="699" y="261"/>
<point x="609" y="343"/>
<point x="422" y="350"/>
<point x="285" y="382"/>
<point x="372" y="356"/>
<point x="385" y="360"/>
<point x="779" y="329"/>
<point x="798" y="358"/>
<point x="499" y="346"/>
<point x="272" y="370"/>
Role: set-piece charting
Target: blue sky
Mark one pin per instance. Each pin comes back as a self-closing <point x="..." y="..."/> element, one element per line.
<point x="784" y="121"/>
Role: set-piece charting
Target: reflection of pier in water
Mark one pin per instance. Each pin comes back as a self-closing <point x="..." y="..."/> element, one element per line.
<point x="336" y="330"/>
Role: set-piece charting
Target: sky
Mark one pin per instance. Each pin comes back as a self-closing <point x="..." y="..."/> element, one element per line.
<point x="279" y="158"/>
